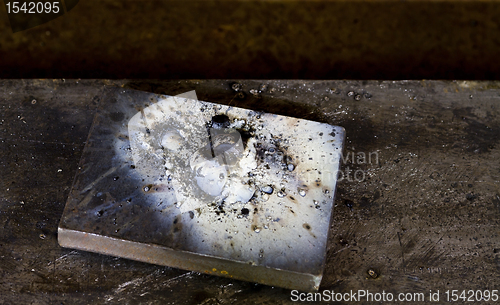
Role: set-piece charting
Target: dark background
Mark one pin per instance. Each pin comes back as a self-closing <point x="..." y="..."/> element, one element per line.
<point x="259" y="39"/>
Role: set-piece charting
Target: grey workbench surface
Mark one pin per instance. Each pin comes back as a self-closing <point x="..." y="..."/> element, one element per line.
<point x="421" y="212"/>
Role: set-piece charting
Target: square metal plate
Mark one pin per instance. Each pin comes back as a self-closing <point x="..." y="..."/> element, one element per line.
<point x="206" y="187"/>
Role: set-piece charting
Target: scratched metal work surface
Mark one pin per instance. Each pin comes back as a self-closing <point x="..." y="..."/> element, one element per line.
<point x="418" y="207"/>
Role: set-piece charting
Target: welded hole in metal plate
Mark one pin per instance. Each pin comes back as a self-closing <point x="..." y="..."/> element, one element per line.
<point x="206" y="187"/>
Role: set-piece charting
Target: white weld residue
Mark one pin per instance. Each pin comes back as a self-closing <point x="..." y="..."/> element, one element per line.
<point x="258" y="188"/>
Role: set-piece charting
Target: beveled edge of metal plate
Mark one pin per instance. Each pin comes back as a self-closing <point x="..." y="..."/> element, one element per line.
<point x="165" y="256"/>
